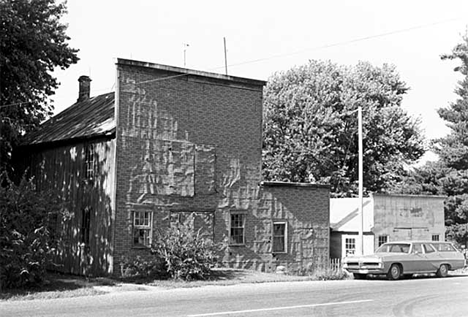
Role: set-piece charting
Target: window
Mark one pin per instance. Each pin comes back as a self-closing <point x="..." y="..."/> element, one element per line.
<point x="417" y="248"/>
<point x="350" y="246"/>
<point x="444" y="247"/>
<point x="383" y="239"/>
<point x="428" y="248"/>
<point x="435" y="237"/>
<point x="237" y="233"/>
<point x="85" y="225"/>
<point x="279" y="237"/>
<point x="90" y="161"/>
<point x="142" y="228"/>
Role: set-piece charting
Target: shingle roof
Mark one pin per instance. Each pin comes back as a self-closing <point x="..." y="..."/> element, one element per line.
<point x="86" y="119"/>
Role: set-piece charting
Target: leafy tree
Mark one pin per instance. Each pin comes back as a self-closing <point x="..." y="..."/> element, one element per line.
<point x="28" y="219"/>
<point x="311" y="128"/>
<point x="453" y="148"/>
<point x="32" y="44"/>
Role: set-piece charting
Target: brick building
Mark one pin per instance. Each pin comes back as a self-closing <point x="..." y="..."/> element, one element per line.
<point x="385" y="218"/>
<point x="168" y="143"/>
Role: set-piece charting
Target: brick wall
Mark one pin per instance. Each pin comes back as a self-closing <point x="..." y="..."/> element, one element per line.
<point x="305" y="210"/>
<point x="187" y="141"/>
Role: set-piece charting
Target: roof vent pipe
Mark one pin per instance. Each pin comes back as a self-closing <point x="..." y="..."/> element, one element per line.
<point x="84" y="88"/>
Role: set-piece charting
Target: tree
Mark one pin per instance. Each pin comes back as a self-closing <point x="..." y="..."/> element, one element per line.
<point x="311" y="128"/>
<point x="32" y="44"/>
<point x="28" y="220"/>
<point x="453" y="148"/>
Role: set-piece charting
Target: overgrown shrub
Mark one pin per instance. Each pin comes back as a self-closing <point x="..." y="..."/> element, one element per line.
<point x="26" y="220"/>
<point x="141" y="267"/>
<point x="187" y="254"/>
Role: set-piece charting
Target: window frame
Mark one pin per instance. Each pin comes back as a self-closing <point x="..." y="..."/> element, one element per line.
<point x="345" y="245"/>
<point x="380" y="240"/>
<point x="434" y="237"/>
<point x="146" y="226"/>
<point x="90" y="163"/>
<point x="243" y="214"/>
<point x="285" y="237"/>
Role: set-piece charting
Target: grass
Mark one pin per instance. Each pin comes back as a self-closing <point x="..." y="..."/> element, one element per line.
<point x="61" y="286"/>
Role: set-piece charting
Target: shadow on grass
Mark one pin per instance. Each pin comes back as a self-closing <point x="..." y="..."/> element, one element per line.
<point x="55" y="286"/>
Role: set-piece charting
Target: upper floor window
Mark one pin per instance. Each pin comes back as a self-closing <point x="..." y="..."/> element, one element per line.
<point x="90" y="161"/>
<point x="279" y="237"/>
<point x="237" y="232"/>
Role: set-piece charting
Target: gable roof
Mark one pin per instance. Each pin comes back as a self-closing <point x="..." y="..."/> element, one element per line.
<point x="83" y="120"/>
<point x="344" y="214"/>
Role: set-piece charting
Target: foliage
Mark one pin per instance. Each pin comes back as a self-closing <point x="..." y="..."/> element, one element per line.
<point x="459" y="233"/>
<point x="311" y="126"/>
<point x="186" y="252"/>
<point x="32" y="44"/>
<point x="27" y="223"/>
<point x="448" y="176"/>
<point x="141" y="267"/>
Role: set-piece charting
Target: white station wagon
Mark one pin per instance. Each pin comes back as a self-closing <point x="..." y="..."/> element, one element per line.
<point x="405" y="258"/>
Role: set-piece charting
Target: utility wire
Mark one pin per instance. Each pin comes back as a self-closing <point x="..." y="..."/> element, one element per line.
<point x="360" y="39"/>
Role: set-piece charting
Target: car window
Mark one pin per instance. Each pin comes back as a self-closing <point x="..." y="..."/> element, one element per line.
<point x="443" y="247"/>
<point x="417" y="248"/>
<point x="394" y="248"/>
<point x="428" y="248"/>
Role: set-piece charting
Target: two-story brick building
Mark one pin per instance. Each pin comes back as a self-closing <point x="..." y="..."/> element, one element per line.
<point x="171" y="142"/>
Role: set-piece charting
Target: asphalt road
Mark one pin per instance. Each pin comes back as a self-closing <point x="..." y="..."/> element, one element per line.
<point x="409" y="297"/>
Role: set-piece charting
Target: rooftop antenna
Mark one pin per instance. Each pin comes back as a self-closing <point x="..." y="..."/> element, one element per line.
<point x="185" y="54"/>
<point x="225" y="56"/>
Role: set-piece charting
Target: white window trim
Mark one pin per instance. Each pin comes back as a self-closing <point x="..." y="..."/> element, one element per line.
<point x="244" y="214"/>
<point x="285" y="223"/>
<point x="142" y="227"/>
<point x="348" y="236"/>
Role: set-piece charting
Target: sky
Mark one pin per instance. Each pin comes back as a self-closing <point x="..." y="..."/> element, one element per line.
<point x="264" y="37"/>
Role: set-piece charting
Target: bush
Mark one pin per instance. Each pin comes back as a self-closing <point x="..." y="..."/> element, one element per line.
<point x="141" y="267"/>
<point x="26" y="243"/>
<point x="186" y="253"/>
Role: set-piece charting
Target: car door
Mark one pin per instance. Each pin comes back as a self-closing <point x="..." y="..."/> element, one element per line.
<point x="433" y="258"/>
<point x="416" y="260"/>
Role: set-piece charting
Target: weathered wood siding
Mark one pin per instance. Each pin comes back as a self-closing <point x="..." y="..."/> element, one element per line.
<point x="86" y="237"/>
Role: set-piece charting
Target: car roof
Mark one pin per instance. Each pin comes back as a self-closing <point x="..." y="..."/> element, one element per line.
<point x="417" y="241"/>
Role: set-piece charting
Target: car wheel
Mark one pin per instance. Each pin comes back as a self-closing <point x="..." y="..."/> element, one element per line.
<point x="358" y="276"/>
<point x="442" y="271"/>
<point x="394" y="273"/>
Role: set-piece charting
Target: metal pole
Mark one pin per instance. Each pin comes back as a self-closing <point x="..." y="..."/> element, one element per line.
<point x="360" y="246"/>
<point x="185" y="50"/>
<point x="225" y="56"/>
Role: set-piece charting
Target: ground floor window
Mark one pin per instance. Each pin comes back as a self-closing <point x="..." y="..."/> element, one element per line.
<point x="383" y="239"/>
<point x="350" y="246"/>
<point x="237" y="230"/>
<point x="142" y="228"/>
<point x="279" y="237"/>
<point x="435" y="237"/>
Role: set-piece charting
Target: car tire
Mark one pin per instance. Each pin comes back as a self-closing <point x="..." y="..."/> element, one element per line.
<point x="394" y="273"/>
<point x="358" y="276"/>
<point x="442" y="271"/>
